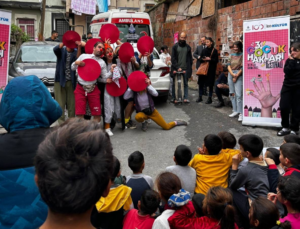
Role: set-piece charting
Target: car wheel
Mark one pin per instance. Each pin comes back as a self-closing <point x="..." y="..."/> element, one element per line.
<point x="164" y="98"/>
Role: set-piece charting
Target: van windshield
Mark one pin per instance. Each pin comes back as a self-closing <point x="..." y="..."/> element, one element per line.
<point x="132" y="32"/>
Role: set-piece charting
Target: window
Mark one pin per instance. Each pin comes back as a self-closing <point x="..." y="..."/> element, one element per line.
<point x="37" y="53"/>
<point x="27" y="26"/>
<point x="148" y="6"/>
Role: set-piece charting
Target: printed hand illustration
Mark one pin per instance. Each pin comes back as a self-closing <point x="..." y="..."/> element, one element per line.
<point x="265" y="97"/>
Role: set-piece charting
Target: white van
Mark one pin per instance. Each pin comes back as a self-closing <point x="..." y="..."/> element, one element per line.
<point x="132" y="25"/>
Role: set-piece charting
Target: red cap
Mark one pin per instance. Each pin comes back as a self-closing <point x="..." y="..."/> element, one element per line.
<point x="136" y="81"/>
<point x="109" y="31"/>
<point x="90" y="71"/>
<point x="89" y="46"/>
<point x="145" y="44"/>
<point x="114" y="90"/>
<point x="69" y="39"/>
<point x="126" y="52"/>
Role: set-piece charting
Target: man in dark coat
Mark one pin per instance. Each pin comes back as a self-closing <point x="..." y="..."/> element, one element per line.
<point x="182" y="61"/>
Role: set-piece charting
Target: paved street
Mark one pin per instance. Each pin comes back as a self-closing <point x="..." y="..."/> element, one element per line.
<point x="158" y="145"/>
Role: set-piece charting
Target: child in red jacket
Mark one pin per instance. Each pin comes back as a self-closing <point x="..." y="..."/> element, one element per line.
<point x="218" y="208"/>
<point x="141" y="218"/>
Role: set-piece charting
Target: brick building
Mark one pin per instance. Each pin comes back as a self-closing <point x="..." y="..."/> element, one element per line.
<point x="225" y="25"/>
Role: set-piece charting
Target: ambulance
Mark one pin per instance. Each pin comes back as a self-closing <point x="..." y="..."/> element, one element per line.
<point x="132" y="26"/>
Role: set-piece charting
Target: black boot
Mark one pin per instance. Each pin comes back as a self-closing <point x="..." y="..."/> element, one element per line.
<point x="199" y="99"/>
<point x="208" y="101"/>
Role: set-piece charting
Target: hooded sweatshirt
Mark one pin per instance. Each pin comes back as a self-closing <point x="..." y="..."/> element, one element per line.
<point x="26" y="111"/>
<point x="212" y="170"/>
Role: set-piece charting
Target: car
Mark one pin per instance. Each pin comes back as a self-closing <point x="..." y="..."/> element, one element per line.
<point x="35" y="58"/>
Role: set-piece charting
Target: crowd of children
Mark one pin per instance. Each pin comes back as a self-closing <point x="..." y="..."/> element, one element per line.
<point x="221" y="187"/>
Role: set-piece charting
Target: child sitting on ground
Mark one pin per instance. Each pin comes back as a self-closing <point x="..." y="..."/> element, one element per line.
<point x="173" y="199"/>
<point x="138" y="181"/>
<point x="291" y="138"/>
<point x="288" y="193"/>
<point x="186" y="174"/>
<point x="212" y="164"/>
<point x="253" y="176"/>
<point x="109" y="211"/>
<point x="264" y="214"/>
<point x="141" y="218"/>
<point x="218" y="210"/>
<point x="274" y="154"/>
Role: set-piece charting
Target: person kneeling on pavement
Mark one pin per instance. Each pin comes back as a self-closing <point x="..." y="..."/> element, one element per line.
<point x="145" y="109"/>
<point x="222" y="88"/>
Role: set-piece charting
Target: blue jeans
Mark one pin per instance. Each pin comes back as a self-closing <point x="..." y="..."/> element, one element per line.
<point x="186" y="87"/>
<point x="236" y="92"/>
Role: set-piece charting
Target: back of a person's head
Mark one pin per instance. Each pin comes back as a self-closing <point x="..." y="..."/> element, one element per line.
<point x="213" y="143"/>
<point x="136" y="161"/>
<point x="149" y="202"/>
<point x="218" y="205"/>
<point x="167" y="184"/>
<point x="292" y="138"/>
<point x="183" y="155"/>
<point x="73" y="166"/>
<point x="116" y="168"/>
<point x="292" y="152"/>
<point x="252" y="143"/>
<point x="274" y="154"/>
<point x="264" y="212"/>
<point x="289" y="187"/>
<point x="228" y="140"/>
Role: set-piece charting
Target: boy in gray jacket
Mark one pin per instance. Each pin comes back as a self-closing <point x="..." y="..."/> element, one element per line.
<point x="254" y="176"/>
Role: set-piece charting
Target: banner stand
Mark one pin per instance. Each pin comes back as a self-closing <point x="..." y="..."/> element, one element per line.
<point x="266" y="49"/>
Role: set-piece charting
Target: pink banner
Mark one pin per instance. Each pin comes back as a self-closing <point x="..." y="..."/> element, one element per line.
<point x="265" y="53"/>
<point x="176" y="37"/>
<point x="5" y="21"/>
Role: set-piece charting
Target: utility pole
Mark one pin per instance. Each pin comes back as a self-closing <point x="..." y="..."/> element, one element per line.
<point x="41" y="34"/>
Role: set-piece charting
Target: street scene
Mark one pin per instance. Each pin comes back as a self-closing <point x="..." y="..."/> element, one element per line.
<point x="149" y="114"/>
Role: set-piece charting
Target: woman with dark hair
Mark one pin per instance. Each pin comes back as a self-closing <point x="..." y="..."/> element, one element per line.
<point x="290" y="93"/>
<point x="165" y="56"/>
<point x="235" y="80"/>
<point x="209" y="54"/>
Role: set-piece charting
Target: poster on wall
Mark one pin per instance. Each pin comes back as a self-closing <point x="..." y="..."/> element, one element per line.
<point x="266" y="49"/>
<point x="5" y="22"/>
<point x="176" y="36"/>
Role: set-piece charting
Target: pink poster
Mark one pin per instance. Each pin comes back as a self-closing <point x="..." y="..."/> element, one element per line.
<point x="176" y="37"/>
<point x="5" y="20"/>
<point x="266" y="48"/>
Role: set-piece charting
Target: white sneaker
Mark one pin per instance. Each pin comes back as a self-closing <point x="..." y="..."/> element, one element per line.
<point x="108" y="131"/>
<point x="233" y="114"/>
<point x="149" y="121"/>
<point x="240" y="118"/>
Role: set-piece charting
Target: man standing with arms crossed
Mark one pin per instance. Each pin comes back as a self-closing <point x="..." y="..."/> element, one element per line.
<point x="182" y="62"/>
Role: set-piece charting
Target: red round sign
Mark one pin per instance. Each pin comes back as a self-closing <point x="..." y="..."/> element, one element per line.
<point x="89" y="46"/>
<point x="136" y="81"/>
<point x="145" y="44"/>
<point x="90" y="71"/>
<point x="126" y="52"/>
<point x="114" y="90"/>
<point x="69" y="39"/>
<point x="109" y="31"/>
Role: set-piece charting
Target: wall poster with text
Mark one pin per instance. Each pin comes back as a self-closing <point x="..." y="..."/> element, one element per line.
<point x="5" y="22"/>
<point x="266" y="49"/>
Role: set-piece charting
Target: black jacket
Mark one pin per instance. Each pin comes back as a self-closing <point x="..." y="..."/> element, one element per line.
<point x="189" y="61"/>
<point x="209" y="79"/>
<point x="292" y="73"/>
<point x="197" y="54"/>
